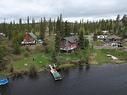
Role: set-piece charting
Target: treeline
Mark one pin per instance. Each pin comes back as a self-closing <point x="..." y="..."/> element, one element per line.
<point x="15" y="31"/>
<point x="117" y="26"/>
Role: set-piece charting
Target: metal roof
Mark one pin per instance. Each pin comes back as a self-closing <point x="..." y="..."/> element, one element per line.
<point x="71" y="39"/>
<point x="33" y="36"/>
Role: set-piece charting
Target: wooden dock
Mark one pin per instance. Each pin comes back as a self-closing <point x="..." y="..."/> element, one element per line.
<point x="55" y="74"/>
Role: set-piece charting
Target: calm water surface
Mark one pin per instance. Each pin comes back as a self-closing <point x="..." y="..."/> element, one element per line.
<point x="96" y="80"/>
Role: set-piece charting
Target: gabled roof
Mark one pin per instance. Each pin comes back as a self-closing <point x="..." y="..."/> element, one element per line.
<point x="33" y="36"/>
<point x="71" y="39"/>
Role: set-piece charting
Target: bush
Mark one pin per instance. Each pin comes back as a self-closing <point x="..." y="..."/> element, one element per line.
<point x="99" y="43"/>
<point x="66" y="66"/>
<point x="26" y="54"/>
<point x="17" y="49"/>
<point x="11" y="68"/>
<point x="27" y="49"/>
<point x="17" y="74"/>
<point x="39" y="48"/>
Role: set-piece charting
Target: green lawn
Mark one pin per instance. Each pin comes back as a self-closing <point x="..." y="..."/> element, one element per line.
<point x="80" y="54"/>
<point x="42" y="59"/>
<point x="69" y="57"/>
<point x="39" y="60"/>
<point x="101" y="56"/>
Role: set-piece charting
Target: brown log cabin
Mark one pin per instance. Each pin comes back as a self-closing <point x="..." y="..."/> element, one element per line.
<point x="69" y="43"/>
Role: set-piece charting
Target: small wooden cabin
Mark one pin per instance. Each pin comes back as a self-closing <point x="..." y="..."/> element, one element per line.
<point x="29" y="39"/>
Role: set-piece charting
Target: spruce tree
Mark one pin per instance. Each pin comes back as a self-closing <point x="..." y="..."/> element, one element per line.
<point x="33" y="25"/>
<point x="50" y="26"/>
<point x="57" y="42"/>
<point x="42" y="28"/>
<point x="28" y="24"/>
<point x="66" y="30"/>
<point x="10" y="32"/>
<point x="20" y="25"/>
<point x="81" y="39"/>
<point x="75" y="30"/>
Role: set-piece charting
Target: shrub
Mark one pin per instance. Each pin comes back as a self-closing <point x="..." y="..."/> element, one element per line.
<point x="17" y="74"/>
<point x="17" y="49"/>
<point x="26" y="54"/>
<point x="11" y="68"/>
<point x="27" y="49"/>
<point x="39" y="48"/>
<point x="99" y="43"/>
<point x="66" y="66"/>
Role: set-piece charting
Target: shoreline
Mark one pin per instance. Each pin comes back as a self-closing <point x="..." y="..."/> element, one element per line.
<point x="22" y="73"/>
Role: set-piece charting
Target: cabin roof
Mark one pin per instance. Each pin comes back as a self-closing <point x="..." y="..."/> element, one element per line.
<point x="71" y="38"/>
<point x="33" y="35"/>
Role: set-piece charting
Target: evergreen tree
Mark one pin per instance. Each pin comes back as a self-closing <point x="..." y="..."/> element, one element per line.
<point x="17" y="48"/>
<point x="42" y="28"/>
<point x="61" y="26"/>
<point x="33" y="25"/>
<point x="57" y="42"/>
<point x="66" y="30"/>
<point x="58" y="35"/>
<point x="16" y="42"/>
<point x="58" y="25"/>
<point x="54" y="59"/>
<point x="54" y="26"/>
<point x="28" y="24"/>
<point x="50" y="26"/>
<point x="118" y="18"/>
<point x="81" y="39"/>
<point x="10" y="31"/>
<point x="20" y="25"/>
<point x="124" y="21"/>
<point x="4" y="28"/>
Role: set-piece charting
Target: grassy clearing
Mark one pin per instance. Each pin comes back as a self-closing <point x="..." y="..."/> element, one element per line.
<point x="69" y="57"/>
<point x="100" y="56"/>
<point x="39" y="59"/>
<point x="98" y="43"/>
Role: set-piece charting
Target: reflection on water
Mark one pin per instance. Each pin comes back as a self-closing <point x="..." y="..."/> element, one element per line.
<point x="87" y="67"/>
<point x="4" y="90"/>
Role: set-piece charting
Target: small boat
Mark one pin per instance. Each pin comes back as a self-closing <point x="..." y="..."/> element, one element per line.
<point x="3" y="82"/>
<point x="55" y="74"/>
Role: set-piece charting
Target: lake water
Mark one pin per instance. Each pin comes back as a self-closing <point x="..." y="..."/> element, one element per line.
<point x="96" y="80"/>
